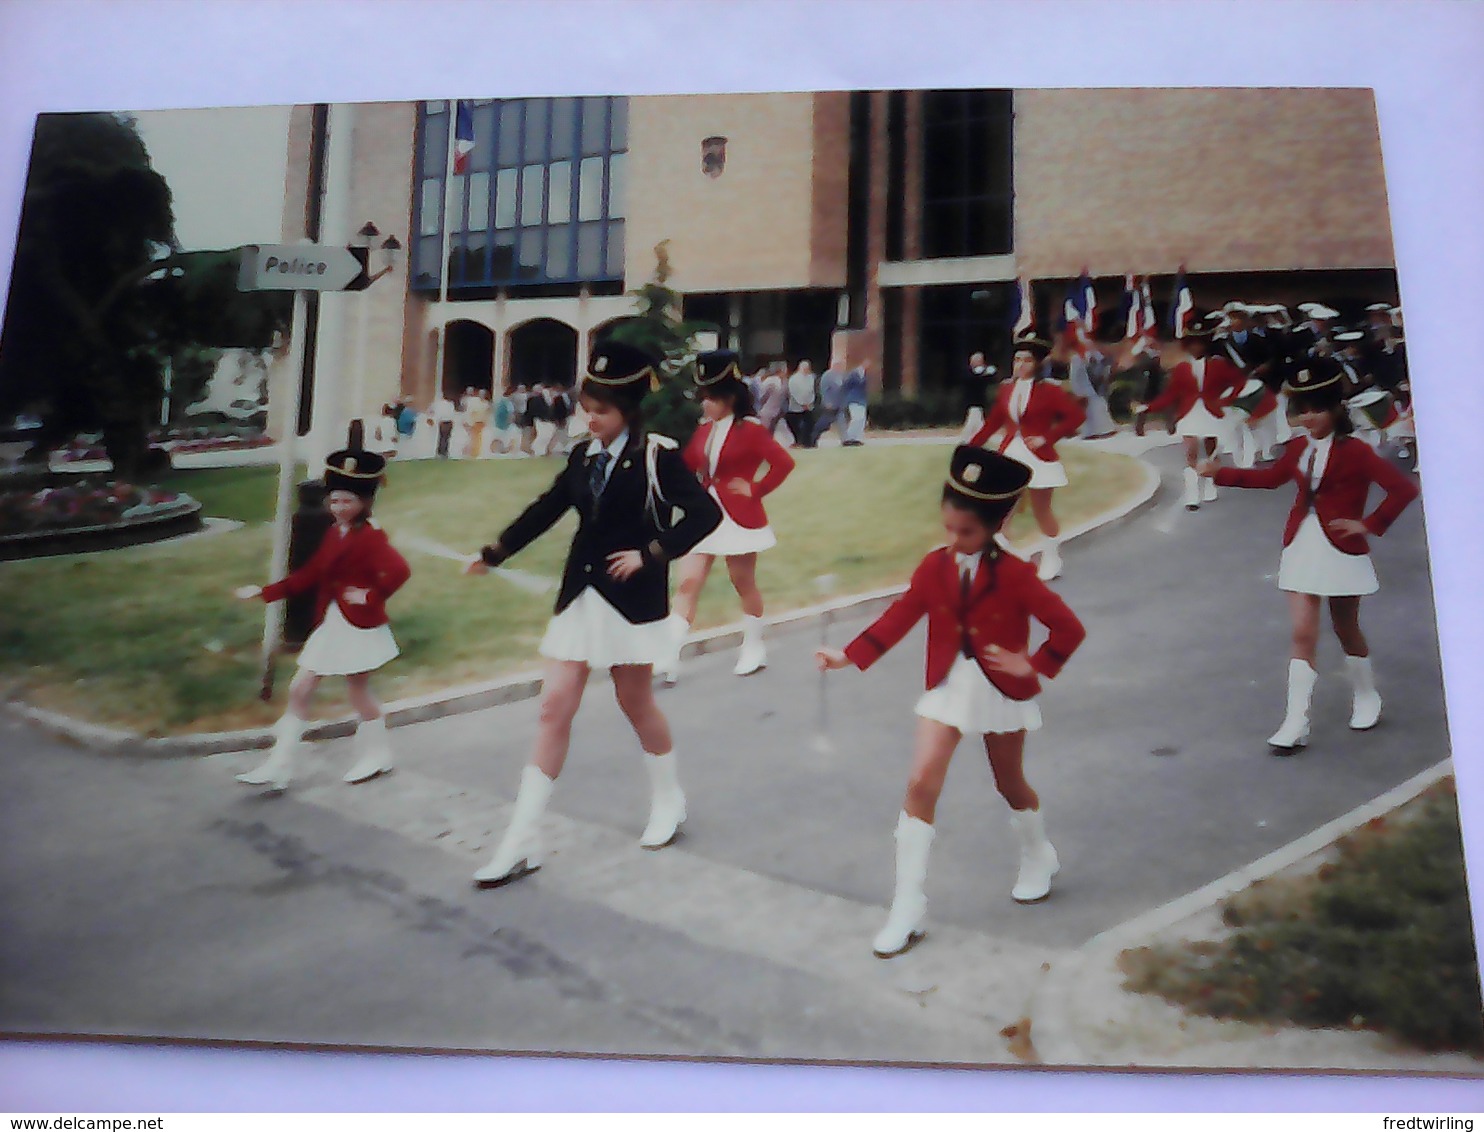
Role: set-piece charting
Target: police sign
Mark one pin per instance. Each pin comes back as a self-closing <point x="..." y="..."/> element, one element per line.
<point x="302" y="267"/>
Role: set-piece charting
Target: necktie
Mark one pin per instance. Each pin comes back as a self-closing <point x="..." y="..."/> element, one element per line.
<point x="597" y="475"/>
<point x="1309" y="477"/>
<point x="965" y="580"/>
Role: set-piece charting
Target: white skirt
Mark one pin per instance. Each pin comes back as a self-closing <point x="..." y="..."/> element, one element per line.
<point x="1044" y="473"/>
<point x="1200" y="421"/>
<point x="967" y="701"/>
<point x="730" y="537"/>
<point x="1312" y="565"/>
<point x="592" y="631"/>
<point x="338" y="648"/>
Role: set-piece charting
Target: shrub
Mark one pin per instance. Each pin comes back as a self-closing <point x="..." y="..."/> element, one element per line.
<point x="926" y="409"/>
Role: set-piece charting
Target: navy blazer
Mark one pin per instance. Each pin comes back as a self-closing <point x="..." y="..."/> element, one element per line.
<point x="617" y="520"/>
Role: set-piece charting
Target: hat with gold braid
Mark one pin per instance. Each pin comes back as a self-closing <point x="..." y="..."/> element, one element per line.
<point x="985" y="482"/>
<point x="352" y="469"/>
<point x="1315" y="383"/>
<point x="716" y="366"/>
<point x="622" y="369"/>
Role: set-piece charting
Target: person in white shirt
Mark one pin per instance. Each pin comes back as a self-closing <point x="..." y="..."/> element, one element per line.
<point x="801" y="398"/>
<point x="441" y="415"/>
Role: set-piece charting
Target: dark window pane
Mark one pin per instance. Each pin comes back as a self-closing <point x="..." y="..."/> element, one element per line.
<point x="502" y="257"/>
<point x="425" y="267"/>
<point x="532" y="196"/>
<point x="559" y="252"/>
<point x="535" y="147"/>
<point x="529" y="253"/>
<point x="508" y="152"/>
<point x="589" y="251"/>
<point x="615" y="251"/>
<point x="563" y="128"/>
<point x="594" y="125"/>
<point x="456" y="220"/>
<point x="484" y="137"/>
<point x="619" y="129"/>
<point x="476" y="258"/>
<point x="616" y="165"/>
<point x="435" y="145"/>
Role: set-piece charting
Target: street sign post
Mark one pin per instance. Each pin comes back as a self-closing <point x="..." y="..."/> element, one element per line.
<point x="300" y="268"/>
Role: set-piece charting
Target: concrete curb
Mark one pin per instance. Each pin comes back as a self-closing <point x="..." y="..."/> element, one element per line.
<point x="1061" y="1009"/>
<point x="521" y="686"/>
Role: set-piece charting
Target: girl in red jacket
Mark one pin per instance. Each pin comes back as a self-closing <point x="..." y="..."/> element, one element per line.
<point x="353" y="573"/>
<point x="1324" y="542"/>
<point x="982" y="677"/>
<point x="1200" y="389"/>
<point x="727" y="452"/>
<point x="1028" y="417"/>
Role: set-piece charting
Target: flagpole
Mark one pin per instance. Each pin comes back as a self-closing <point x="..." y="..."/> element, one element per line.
<point x="443" y="270"/>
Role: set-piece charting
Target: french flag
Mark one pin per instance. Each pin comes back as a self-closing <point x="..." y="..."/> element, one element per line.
<point x="1078" y="311"/>
<point x="1182" y="309"/>
<point x="1022" y="310"/>
<point x="1139" y="315"/>
<point x="463" y="138"/>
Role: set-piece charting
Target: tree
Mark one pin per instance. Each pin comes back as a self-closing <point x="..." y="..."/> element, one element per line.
<point x="658" y="328"/>
<point x="100" y="298"/>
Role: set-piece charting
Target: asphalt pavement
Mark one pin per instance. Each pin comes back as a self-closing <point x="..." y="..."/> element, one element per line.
<point x="156" y="896"/>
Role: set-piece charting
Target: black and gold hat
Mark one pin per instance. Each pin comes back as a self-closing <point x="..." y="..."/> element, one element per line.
<point x="985" y="482"/>
<point x="1315" y="383"/>
<point x="352" y="469"/>
<point x="716" y="366"/>
<point x="1038" y="346"/>
<point x="623" y="369"/>
<point x="1203" y="327"/>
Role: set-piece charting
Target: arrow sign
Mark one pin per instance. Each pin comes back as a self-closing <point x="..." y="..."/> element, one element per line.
<point x="302" y="267"/>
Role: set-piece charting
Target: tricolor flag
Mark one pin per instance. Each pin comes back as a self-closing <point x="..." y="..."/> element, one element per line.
<point x="463" y="137"/>
<point x="1022" y="310"/>
<point x="1078" y="311"/>
<point x="1182" y="307"/>
<point x="1138" y="309"/>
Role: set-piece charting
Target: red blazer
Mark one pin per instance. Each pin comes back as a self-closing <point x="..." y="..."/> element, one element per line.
<point x="362" y="558"/>
<point x="1051" y="413"/>
<point x="1003" y="597"/>
<point x="1343" y="488"/>
<point x="747" y="447"/>
<point x="1223" y="382"/>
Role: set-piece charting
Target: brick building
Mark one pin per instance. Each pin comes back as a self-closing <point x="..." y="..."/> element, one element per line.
<point x="888" y="224"/>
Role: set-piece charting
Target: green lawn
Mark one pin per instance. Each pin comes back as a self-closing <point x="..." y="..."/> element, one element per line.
<point x="149" y="637"/>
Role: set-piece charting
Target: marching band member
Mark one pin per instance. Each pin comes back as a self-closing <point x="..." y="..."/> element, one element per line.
<point x="1199" y="388"/>
<point x="727" y="452"/>
<point x="612" y="607"/>
<point x="1251" y="350"/>
<point x="1029" y="417"/>
<point x="1325" y="554"/>
<point x="981" y="676"/>
<point x="353" y="573"/>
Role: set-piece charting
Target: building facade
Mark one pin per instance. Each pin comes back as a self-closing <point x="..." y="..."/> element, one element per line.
<point x="885" y="225"/>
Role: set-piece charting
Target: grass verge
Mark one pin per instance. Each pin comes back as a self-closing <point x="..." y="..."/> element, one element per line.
<point x="1378" y="937"/>
<point x="148" y="637"/>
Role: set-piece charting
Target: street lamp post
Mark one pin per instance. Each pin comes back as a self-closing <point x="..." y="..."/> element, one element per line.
<point x="389" y="249"/>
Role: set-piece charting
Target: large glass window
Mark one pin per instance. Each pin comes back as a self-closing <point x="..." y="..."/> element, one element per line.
<point x="542" y="198"/>
<point x="967" y="180"/>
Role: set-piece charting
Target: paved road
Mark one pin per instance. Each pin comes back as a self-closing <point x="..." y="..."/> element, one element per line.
<point x="159" y="897"/>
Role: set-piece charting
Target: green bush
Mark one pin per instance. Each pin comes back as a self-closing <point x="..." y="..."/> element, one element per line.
<point x="927" y="409"/>
<point x="1381" y="939"/>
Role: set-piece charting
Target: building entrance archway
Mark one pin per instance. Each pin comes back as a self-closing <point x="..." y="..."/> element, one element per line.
<point x="468" y="358"/>
<point x="543" y="350"/>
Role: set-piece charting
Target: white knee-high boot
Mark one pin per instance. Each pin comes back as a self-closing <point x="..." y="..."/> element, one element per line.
<point x="753" y="655"/>
<point x="373" y="752"/>
<point x="520" y="850"/>
<point x="1208" y="489"/>
<point x="1038" y="860"/>
<point x="1192" y="489"/>
<point x="903" y="925"/>
<point x="666" y="801"/>
<point x="679" y="629"/>
<point x="1050" y="565"/>
<point x="1295" y="729"/>
<point x="276" y="772"/>
<point x="1365" y="711"/>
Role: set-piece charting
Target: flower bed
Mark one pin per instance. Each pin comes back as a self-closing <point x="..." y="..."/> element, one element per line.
<point x="205" y="438"/>
<point x="90" y="516"/>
